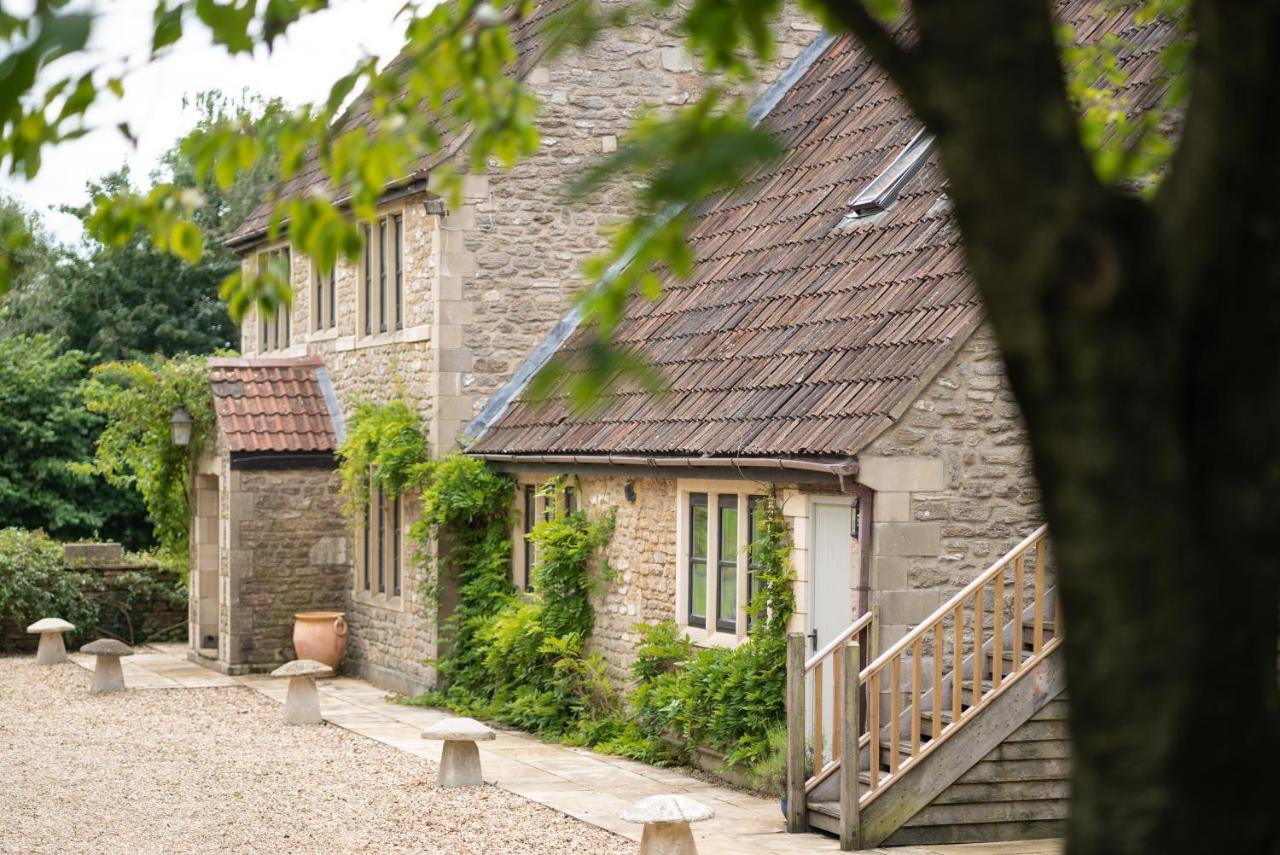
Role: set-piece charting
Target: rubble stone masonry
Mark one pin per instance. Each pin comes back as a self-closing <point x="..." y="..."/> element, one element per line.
<point x="483" y="284"/>
<point x="954" y="487"/>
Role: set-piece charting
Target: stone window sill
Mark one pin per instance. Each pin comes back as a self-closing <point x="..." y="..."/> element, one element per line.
<point x="422" y="332"/>
<point x="380" y="601"/>
<point x="715" y="638"/>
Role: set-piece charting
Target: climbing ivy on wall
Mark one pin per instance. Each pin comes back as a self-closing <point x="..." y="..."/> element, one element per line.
<point x="731" y="700"/>
<point x="136" y="449"/>
<point x="466" y="508"/>
<point x="519" y="658"/>
<point x="384" y="447"/>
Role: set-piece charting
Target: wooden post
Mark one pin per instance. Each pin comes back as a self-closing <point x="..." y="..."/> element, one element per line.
<point x="797" y="809"/>
<point x="850" y="812"/>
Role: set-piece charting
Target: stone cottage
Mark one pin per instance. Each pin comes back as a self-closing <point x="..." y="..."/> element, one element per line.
<point x="829" y="345"/>
<point x="443" y="306"/>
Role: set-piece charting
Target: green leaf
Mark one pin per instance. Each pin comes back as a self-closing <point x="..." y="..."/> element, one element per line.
<point x="167" y="26"/>
<point x="186" y="242"/>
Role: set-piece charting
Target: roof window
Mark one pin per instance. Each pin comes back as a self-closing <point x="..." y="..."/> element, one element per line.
<point x="883" y="191"/>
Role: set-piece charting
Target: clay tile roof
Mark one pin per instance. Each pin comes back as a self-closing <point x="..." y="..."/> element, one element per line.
<point x="271" y="404"/>
<point x="529" y="45"/>
<point x="793" y="336"/>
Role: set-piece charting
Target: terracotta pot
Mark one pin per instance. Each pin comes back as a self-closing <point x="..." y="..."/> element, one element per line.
<point x="321" y="636"/>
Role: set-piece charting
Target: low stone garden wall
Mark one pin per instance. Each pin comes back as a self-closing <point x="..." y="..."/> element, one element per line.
<point x="137" y="600"/>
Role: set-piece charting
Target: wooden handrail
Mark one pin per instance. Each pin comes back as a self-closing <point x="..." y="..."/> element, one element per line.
<point x="950" y="674"/>
<point x="984" y="656"/>
<point x="968" y="590"/>
<point x="827" y="649"/>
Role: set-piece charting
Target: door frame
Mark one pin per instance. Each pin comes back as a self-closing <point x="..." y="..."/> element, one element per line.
<point x="841" y="500"/>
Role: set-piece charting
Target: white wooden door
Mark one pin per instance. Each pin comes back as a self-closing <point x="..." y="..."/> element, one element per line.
<point x="831" y="571"/>
<point x="830" y="587"/>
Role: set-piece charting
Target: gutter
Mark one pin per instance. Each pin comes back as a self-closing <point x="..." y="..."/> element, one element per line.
<point x="846" y="471"/>
<point x="394" y="191"/>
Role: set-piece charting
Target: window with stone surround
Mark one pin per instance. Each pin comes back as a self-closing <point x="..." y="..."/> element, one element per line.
<point x="534" y="505"/>
<point x="715" y="573"/>
<point x="324" y="299"/>
<point x="380" y="566"/>
<point x="275" y="332"/>
<point x="381" y="305"/>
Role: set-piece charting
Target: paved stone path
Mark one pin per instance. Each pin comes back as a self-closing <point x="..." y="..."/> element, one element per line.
<point x="594" y="788"/>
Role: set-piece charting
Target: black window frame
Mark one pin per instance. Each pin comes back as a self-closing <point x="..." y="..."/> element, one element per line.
<point x="367" y="294"/>
<point x="755" y="505"/>
<point x="395" y="546"/>
<point x="382" y="543"/>
<point x="263" y="261"/>
<point x="382" y="275"/>
<point x="726" y="502"/>
<point x="367" y="574"/>
<point x="397" y="222"/>
<point x="288" y="315"/>
<point x="530" y="512"/>
<point x="317" y="298"/>
<point x="333" y="297"/>
<point x="697" y="500"/>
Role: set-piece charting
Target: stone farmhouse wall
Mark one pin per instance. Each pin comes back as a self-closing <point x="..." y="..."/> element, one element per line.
<point x="954" y="487"/>
<point x="486" y="281"/>
<point x="642" y="557"/>
<point x="640" y="587"/>
<point x="522" y="238"/>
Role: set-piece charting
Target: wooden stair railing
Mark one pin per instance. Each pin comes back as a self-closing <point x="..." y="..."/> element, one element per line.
<point x="807" y="733"/>
<point x="926" y="686"/>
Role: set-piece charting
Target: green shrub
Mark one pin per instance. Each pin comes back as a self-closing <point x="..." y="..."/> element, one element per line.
<point x="731" y="700"/>
<point x="34" y="584"/>
<point x="519" y="658"/>
<point x="135" y="449"/>
<point x="127" y="608"/>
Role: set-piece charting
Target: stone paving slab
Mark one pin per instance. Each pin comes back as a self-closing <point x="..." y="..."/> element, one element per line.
<point x="594" y="788"/>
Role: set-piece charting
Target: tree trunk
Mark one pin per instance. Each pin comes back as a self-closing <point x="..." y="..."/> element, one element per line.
<point x="1141" y="341"/>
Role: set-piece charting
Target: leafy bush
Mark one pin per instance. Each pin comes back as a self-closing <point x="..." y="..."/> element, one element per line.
<point x="130" y="603"/>
<point x="519" y="658"/>
<point x="135" y="448"/>
<point x="466" y="508"/>
<point x="46" y="436"/>
<point x="731" y="700"/>
<point x="384" y="447"/>
<point x="35" y="585"/>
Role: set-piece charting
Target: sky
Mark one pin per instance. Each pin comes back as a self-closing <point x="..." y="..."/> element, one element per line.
<point x="315" y="53"/>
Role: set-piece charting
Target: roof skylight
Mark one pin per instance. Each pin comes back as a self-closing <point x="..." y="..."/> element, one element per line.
<point x="883" y="191"/>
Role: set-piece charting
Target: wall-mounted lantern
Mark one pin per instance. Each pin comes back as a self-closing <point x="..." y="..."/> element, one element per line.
<point x="180" y="425"/>
<point x="629" y="491"/>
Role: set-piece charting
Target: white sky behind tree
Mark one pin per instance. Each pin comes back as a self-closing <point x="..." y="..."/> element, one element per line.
<point x="315" y="53"/>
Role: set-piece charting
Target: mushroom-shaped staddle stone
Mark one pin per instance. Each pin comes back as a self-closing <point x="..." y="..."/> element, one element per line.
<point x="51" y="650"/>
<point x="108" y="676"/>
<point x="460" y="759"/>
<point x="666" y="823"/>
<point x="302" y="704"/>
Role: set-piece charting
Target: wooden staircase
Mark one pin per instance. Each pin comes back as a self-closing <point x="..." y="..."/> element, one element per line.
<point x="959" y="729"/>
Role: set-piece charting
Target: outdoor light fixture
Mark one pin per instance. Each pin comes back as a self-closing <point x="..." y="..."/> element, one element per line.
<point x="629" y="492"/>
<point x="180" y="424"/>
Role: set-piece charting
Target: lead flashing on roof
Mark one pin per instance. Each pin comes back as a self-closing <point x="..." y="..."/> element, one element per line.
<point x="331" y="403"/>
<point x="883" y="190"/>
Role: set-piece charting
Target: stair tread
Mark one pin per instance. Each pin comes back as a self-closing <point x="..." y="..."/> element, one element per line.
<point x="829" y="808"/>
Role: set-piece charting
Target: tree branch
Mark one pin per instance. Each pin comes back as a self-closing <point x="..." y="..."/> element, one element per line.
<point x="901" y="63"/>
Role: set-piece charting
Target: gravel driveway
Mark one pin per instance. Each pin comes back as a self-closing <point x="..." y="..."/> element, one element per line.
<point x="215" y="770"/>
